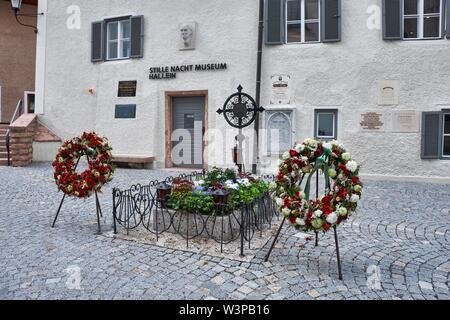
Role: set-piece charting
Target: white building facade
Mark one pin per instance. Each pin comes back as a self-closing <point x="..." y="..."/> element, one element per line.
<point x="372" y="74"/>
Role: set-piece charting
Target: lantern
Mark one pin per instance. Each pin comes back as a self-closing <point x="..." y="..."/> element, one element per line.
<point x="163" y="190"/>
<point x="221" y="197"/>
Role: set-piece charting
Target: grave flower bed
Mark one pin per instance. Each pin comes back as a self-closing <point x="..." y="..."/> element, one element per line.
<point x="199" y="196"/>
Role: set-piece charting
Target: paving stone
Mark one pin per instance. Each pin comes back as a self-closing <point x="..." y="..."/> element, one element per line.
<point x="407" y="249"/>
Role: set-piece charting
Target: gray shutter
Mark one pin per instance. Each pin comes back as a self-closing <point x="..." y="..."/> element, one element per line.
<point x="137" y="37"/>
<point x="392" y="19"/>
<point x="447" y="18"/>
<point x="431" y="135"/>
<point x="331" y="20"/>
<point x="97" y="47"/>
<point x="275" y="21"/>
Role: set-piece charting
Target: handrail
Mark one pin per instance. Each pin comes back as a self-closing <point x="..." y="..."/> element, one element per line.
<point x="17" y="113"/>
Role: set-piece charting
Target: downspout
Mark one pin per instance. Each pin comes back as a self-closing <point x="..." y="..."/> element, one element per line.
<point x="258" y="84"/>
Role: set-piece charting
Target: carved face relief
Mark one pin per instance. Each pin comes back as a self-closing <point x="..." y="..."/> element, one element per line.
<point x="187" y="33"/>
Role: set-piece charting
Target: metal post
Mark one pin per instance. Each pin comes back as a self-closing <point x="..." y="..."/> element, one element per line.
<point x="274" y="240"/>
<point x="187" y="230"/>
<point x="317" y="238"/>
<point x="258" y="82"/>
<point x="337" y="253"/>
<point x="59" y="209"/>
<point x="221" y="233"/>
<point x="242" y="229"/>
<point x="97" y="203"/>
<point x="114" y="211"/>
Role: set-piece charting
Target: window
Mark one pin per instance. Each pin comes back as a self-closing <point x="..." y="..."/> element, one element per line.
<point x="422" y="19"/>
<point x="125" y="111"/>
<point x="436" y="135"/>
<point x="325" y="124"/>
<point x="303" y="21"/>
<point x="446" y="135"/>
<point x="279" y="131"/>
<point x="118" y="39"/>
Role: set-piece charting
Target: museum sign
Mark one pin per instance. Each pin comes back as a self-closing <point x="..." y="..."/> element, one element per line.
<point x="170" y="72"/>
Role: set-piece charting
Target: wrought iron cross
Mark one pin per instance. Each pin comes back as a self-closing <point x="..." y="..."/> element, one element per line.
<point x="240" y="109"/>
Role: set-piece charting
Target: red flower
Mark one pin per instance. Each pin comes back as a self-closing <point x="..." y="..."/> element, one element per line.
<point x="326" y="226"/>
<point x="293" y="153"/>
<point x="292" y="219"/>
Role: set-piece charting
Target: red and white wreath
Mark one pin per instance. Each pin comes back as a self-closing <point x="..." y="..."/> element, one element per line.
<point x="99" y="172"/>
<point x="338" y="202"/>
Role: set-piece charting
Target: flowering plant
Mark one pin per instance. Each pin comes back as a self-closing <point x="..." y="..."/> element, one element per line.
<point x="100" y="170"/>
<point x="330" y="209"/>
<point x="197" y="196"/>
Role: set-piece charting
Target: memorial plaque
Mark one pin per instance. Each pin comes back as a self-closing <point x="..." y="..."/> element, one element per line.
<point x="280" y="89"/>
<point x="405" y="121"/>
<point x="372" y="121"/>
<point x="279" y="131"/>
<point x="388" y="92"/>
<point x="127" y="88"/>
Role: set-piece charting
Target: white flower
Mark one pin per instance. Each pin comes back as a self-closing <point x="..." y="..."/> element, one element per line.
<point x="354" y="198"/>
<point x="286" y="212"/>
<point x="352" y="166"/>
<point x="327" y="146"/>
<point x="311" y="142"/>
<point x="341" y="177"/>
<point x="346" y="156"/>
<point x="300" y="221"/>
<point x="332" y="173"/>
<point x="342" y="211"/>
<point x="272" y="185"/>
<point x="299" y="148"/>
<point x="201" y="182"/>
<point x="279" y="202"/>
<point x="318" y="213"/>
<point x="332" y="218"/>
<point x="286" y="156"/>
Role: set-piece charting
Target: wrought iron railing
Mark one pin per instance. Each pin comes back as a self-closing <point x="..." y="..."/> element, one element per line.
<point x="17" y="113"/>
<point x="139" y="206"/>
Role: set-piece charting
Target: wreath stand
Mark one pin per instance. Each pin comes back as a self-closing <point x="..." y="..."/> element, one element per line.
<point x="97" y="204"/>
<point x="319" y="165"/>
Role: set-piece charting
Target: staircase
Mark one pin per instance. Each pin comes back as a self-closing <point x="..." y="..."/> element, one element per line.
<point x="3" y="152"/>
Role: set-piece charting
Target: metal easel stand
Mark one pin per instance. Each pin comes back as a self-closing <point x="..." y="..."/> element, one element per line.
<point x="336" y="241"/>
<point x="97" y="206"/>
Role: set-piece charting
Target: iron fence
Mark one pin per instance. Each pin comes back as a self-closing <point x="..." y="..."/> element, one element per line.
<point x="139" y="206"/>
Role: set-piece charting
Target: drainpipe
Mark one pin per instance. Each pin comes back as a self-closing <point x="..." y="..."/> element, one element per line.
<point x="258" y="83"/>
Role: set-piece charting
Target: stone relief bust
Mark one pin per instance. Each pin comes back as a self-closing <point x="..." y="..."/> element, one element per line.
<point x="187" y="35"/>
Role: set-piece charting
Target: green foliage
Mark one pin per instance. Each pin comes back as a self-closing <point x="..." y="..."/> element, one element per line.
<point x="191" y="202"/>
<point x="219" y="175"/>
<point x="247" y="193"/>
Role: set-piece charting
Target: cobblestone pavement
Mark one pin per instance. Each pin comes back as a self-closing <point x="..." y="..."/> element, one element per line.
<point x="401" y="235"/>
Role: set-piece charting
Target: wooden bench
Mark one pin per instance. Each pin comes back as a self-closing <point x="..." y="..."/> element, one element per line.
<point x="133" y="161"/>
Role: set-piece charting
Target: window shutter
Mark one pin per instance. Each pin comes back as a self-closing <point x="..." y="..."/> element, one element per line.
<point x="447" y="18"/>
<point x="137" y="37"/>
<point x="392" y="19"/>
<point x="331" y="20"/>
<point x="97" y="41"/>
<point x="275" y="21"/>
<point x="431" y="135"/>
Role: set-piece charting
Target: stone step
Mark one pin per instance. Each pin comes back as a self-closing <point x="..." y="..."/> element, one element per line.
<point x="3" y="162"/>
<point x="2" y="149"/>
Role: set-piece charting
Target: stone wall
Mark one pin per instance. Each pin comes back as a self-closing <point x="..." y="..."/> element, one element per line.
<point x="22" y="134"/>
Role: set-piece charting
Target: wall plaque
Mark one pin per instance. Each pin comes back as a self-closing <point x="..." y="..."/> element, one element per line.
<point x="127" y="88"/>
<point x="372" y="121"/>
<point x="405" y="121"/>
<point x="280" y="89"/>
<point x="388" y="92"/>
